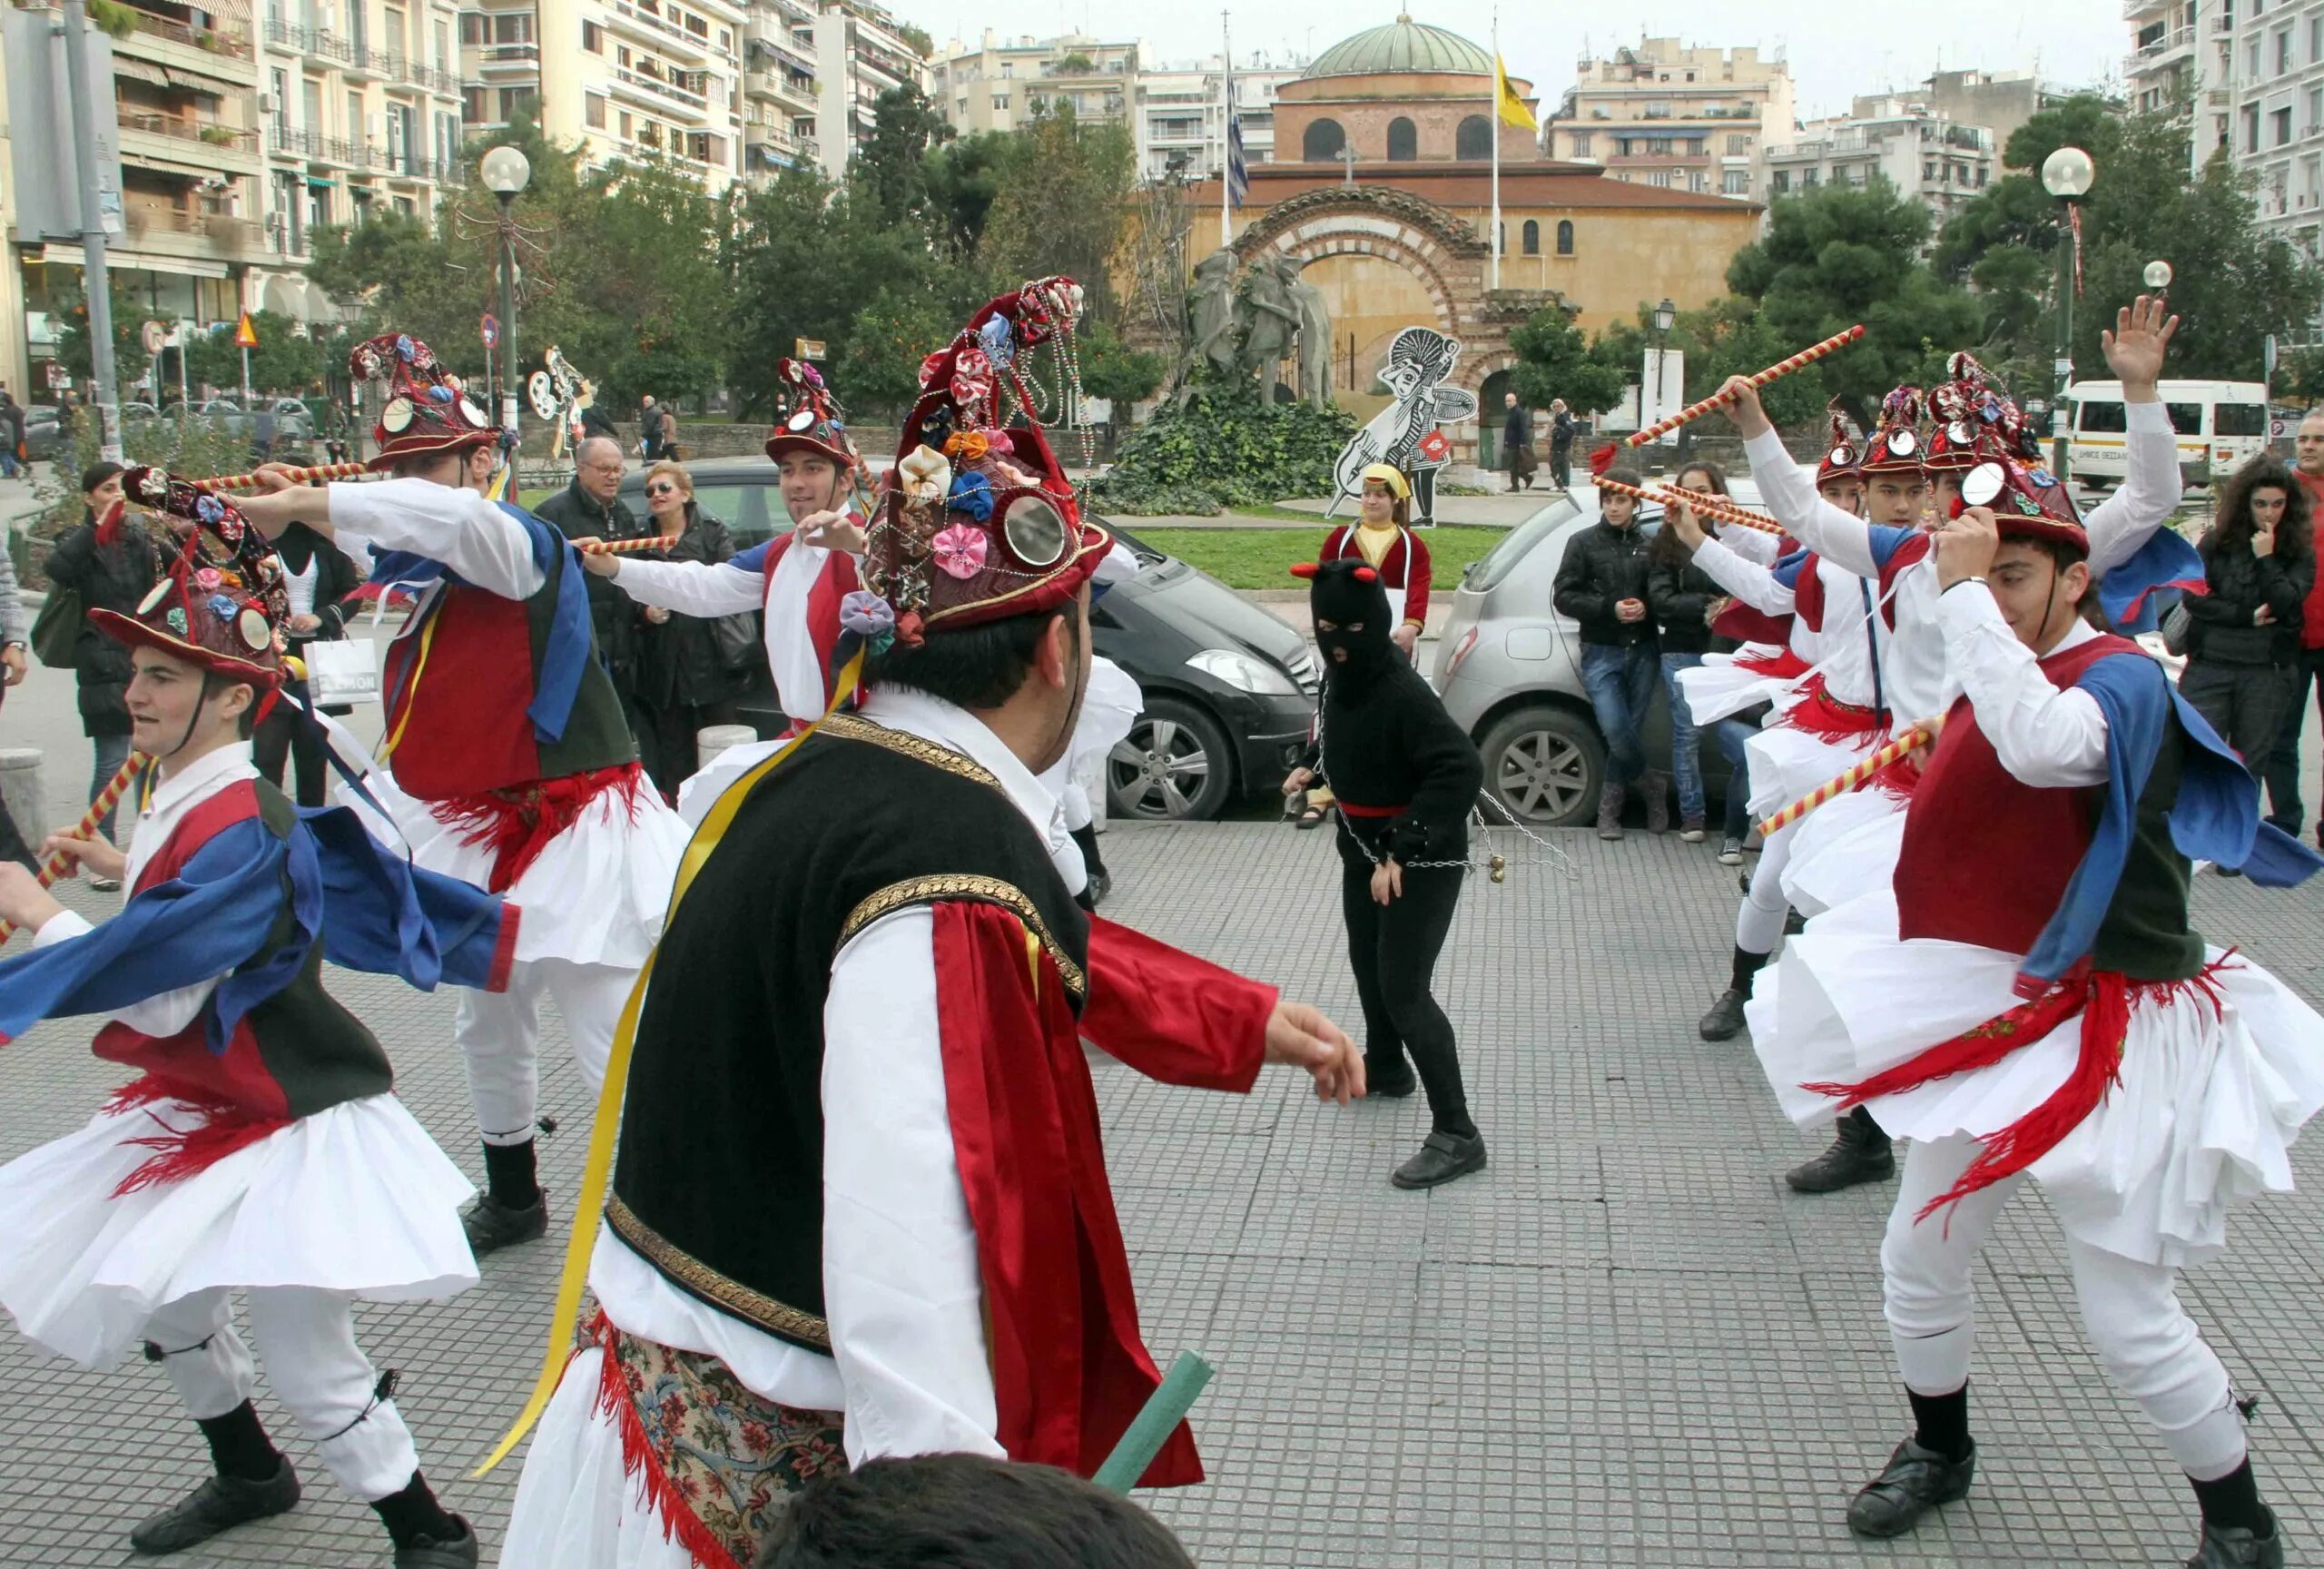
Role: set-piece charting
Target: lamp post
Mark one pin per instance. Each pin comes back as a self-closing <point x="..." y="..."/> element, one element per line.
<point x="1665" y="315"/>
<point x="2066" y="174"/>
<point x="506" y="172"/>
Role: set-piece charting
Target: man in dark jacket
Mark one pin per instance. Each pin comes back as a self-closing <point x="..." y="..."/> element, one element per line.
<point x="649" y="430"/>
<point x="1563" y="426"/>
<point x="110" y="576"/>
<point x="1517" y="443"/>
<point x="591" y="507"/>
<point x="1602" y="585"/>
<point x="12" y="438"/>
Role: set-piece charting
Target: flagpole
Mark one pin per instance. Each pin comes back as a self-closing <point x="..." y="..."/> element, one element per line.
<point x="1499" y="76"/>
<point x="1226" y="139"/>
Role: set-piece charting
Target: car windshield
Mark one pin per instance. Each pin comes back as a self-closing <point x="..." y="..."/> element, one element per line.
<point x="1489" y="569"/>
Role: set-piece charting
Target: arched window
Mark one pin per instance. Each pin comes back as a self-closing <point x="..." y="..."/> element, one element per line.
<point x="1473" y="139"/>
<point x="1532" y="237"/>
<point x="1324" y="142"/>
<point x="1403" y="142"/>
<point x="1565" y="236"/>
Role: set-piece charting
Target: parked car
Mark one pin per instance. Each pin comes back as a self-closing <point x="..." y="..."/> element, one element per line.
<point x="1509" y="668"/>
<point x="1230" y="690"/>
<point x="293" y="425"/>
<point x="43" y="436"/>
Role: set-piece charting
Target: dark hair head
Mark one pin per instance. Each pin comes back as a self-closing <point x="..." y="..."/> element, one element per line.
<point x="966" y="1512"/>
<point x="1624" y="477"/>
<point x="96" y="474"/>
<point x="1708" y="469"/>
<point x="976" y="667"/>
<point x="2232" y="527"/>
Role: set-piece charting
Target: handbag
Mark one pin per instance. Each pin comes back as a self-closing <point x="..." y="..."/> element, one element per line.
<point x="342" y="670"/>
<point x="2178" y="630"/>
<point x="56" y="630"/>
<point x="736" y="638"/>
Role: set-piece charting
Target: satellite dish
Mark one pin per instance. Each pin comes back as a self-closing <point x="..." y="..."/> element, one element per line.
<point x="542" y="392"/>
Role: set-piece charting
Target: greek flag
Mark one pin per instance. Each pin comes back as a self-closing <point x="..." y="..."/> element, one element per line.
<point x="1238" y="168"/>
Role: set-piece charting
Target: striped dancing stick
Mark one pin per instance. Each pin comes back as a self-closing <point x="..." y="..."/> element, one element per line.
<point x="1914" y="738"/>
<point x="55" y="866"/>
<point x="616" y="547"/>
<point x="1603" y="458"/>
<point x="1703" y="506"/>
<point x="296" y="476"/>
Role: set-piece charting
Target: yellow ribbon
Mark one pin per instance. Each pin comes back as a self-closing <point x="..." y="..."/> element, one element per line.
<point x="597" y="1171"/>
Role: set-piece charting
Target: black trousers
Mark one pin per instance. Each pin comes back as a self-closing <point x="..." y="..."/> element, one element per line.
<point x="2246" y="704"/>
<point x="286" y="735"/>
<point x="1392" y="950"/>
<point x="2281" y="768"/>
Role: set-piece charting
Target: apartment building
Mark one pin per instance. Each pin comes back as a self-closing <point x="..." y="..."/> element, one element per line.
<point x="1928" y="157"/>
<point x="997" y="84"/>
<point x="1180" y="116"/>
<point x="2259" y="91"/>
<point x="2161" y="66"/>
<point x="861" y="52"/>
<point x="782" y="92"/>
<point x="1676" y="117"/>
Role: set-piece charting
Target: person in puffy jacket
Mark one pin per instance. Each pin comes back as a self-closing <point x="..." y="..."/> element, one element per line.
<point x="2260" y="562"/>
<point x="115" y="576"/>
<point x="1601" y="584"/>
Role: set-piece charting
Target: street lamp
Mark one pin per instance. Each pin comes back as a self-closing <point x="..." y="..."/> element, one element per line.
<point x="1665" y="315"/>
<point x="2157" y="275"/>
<point x="506" y="172"/>
<point x="2066" y="174"/>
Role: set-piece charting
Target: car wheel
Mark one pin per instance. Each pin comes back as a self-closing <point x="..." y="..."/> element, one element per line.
<point x="1175" y="765"/>
<point x="1545" y="765"/>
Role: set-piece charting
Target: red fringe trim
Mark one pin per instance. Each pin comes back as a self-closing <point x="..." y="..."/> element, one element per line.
<point x="654" y="1489"/>
<point x="516" y="825"/>
<point x="1819" y="714"/>
<point x="180" y="1153"/>
<point x="1784" y="664"/>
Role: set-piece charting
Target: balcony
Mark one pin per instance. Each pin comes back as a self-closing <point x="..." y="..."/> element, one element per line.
<point x="507" y="56"/>
<point x="194" y="236"/>
<point x="2168" y="50"/>
<point x="643" y="19"/>
<point x="223" y="52"/>
<point x="431" y="78"/>
<point x="203" y="146"/>
<point x="657" y="92"/>
<point x="781" y="87"/>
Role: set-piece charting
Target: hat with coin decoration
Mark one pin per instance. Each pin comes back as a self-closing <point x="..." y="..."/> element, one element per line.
<point x="1896" y="444"/>
<point x="222" y="603"/>
<point x="1841" y="453"/>
<point x="810" y="420"/>
<point x="427" y="409"/>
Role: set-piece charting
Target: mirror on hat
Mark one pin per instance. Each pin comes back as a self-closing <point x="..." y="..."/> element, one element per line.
<point x="804" y="420"/>
<point x="1842" y="456"/>
<point x="396" y="416"/>
<point x="252" y="623"/>
<point x="1982" y="486"/>
<point x="1036" y="530"/>
<point x="1960" y="433"/>
<point x="1903" y="443"/>
<point x="472" y="414"/>
<point x="154" y="596"/>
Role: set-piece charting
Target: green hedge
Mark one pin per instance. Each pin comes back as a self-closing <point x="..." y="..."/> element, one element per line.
<point x="1222" y="448"/>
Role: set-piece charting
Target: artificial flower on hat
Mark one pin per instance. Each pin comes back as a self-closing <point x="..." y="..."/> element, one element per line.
<point x="1972" y="420"/>
<point x="809" y="419"/>
<point x="1895" y="446"/>
<point x="222" y="602"/>
<point x="426" y="409"/>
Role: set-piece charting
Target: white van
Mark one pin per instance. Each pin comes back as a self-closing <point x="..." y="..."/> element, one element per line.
<point x="2221" y="425"/>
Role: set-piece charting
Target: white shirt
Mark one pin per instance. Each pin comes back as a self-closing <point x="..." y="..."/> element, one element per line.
<point x="175" y="793"/>
<point x="472" y="536"/>
<point x="300" y="585"/>
<point x="2048" y="737"/>
<point x="722" y="588"/>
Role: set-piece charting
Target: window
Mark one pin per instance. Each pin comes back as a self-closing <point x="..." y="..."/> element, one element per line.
<point x="472" y="27"/>
<point x="1580" y="148"/>
<point x="1735" y="182"/>
<point x="1000" y="101"/>
<point x="593" y="38"/>
<point x="512" y="27"/>
<point x="2252" y="61"/>
<point x="1532" y="237"/>
<point x="1928" y="169"/>
<point x="2283" y="50"/>
<point x="2315" y="107"/>
<point x="1660" y="178"/>
<point x="1782" y="181"/>
<point x="2186" y="419"/>
<point x="353" y="123"/>
<point x="2251" y="128"/>
<point x="2108" y="420"/>
<point x="1473" y="138"/>
<point x="2282" y="126"/>
<point x="513" y="101"/>
<point x="627" y="131"/>
<point x="1323" y="141"/>
<point x="472" y="105"/>
<point x="1737" y="144"/>
<point x="1697" y="179"/>
<point x="2238" y="420"/>
<point x="2316" y="38"/>
<point x="593" y="110"/>
<point x="1403" y="141"/>
<point x="1565" y="236"/>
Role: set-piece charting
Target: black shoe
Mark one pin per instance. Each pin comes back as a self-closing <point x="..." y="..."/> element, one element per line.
<point x="1101" y="884"/>
<point x="1394" y="1086"/>
<point x="426" y="1553"/>
<point x="492" y="1225"/>
<point x="1860" y="1153"/>
<point x="1724" y="1019"/>
<point x="220" y="1504"/>
<point x="1442" y="1157"/>
<point x="1794" y="923"/>
<point x="1917" y="1481"/>
<point x="2236" y="1547"/>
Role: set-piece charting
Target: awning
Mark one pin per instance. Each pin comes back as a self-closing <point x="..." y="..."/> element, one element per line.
<point x="321" y="182"/>
<point x="142" y="71"/>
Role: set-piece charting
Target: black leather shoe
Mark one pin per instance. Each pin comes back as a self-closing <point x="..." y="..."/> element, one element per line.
<point x="1917" y="1481"/>
<point x="426" y="1553"/>
<point x="1380" y="1085"/>
<point x="492" y="1225"/>
<point x="1442" y="1158"/>
<point x="2235" y="1548"/>
<point x="220" y="1503"/>
<point x="1724" y="1019"/>
<point x="1101" y="884"/>
<point x="1860" y="1153"/>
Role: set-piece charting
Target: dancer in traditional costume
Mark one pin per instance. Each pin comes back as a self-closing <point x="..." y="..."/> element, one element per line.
<point x="861" y="1205"/>
<point x="1383" y="540"/>
<point x="262" y="1147"/>
<point x="507" y="762"/>
<point x="2027" y="999"/>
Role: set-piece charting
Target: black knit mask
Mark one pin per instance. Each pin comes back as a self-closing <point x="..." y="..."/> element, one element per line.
<point x="1348" y="594"/>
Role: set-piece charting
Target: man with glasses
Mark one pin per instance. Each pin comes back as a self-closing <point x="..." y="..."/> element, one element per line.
<point x="591" y="507"/>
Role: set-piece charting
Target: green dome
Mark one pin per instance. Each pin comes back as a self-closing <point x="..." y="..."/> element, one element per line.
<point x="1403" y="45"/>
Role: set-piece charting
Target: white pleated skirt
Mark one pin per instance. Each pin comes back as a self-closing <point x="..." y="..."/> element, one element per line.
<point x="577" y="1507"/>
<point x="1722" y="686"/>
<point x="1787" y="762"/>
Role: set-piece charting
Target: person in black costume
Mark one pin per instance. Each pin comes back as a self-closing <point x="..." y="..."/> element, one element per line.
<point x="1404" y="776"/>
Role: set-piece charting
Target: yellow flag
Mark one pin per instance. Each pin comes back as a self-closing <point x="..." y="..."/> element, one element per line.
<point x="1513" y="111"/>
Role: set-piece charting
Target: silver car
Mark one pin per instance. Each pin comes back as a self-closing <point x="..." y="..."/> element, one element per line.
<point x="1509" y="668"/>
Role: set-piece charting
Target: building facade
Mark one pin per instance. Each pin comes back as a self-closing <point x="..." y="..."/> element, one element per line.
<point x="861" y="52"/>
<point x="782" y="93"/>
<point x="1675" y="117"/>
<point x="997" y="84"/>
<point x="1932" y="160"/>
<point x="1181" y="116"/>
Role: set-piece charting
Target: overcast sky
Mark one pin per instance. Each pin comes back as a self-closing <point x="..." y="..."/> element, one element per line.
<point x="1835" y="50"/>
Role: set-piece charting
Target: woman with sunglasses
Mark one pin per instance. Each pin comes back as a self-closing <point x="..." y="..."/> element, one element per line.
<point x="689" y="668"/>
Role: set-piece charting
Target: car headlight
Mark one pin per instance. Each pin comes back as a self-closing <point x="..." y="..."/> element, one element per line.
<point x="1244" y="673"/>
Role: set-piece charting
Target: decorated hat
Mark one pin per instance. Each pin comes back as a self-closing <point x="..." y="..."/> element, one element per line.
<point x="1390" y="476"/>
<point x="1895" y="447"/>
<point x="2027" y="503"/>
<point x="427" y="410"/>
<point x="977" y="521"/>
<point x="1972" y="420"/>
<point x="810" y="420"/>
<point x="222" y="603"/>
<point x="1842" y="455"/>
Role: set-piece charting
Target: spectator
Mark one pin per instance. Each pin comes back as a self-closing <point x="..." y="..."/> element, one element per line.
<point x="1383" y="535"/>
<point x="1601" y="584"/>
<point x="965" y="1512"/>
<point x="670" y="451"/>
<point x="13" y="465"/>
<point x="591" y="507"/>
<point x="2282" y="768"/>
<point x="691" y="669"/>
<point x="1517" y="443"/>
<point x="594" y="422"/>
<point x="1563" y="428"/>
<point x="335" y="428"/>
<point x="1684" y="598"/>
<point x="325" y="588"/>
<point x="15" y="628"/>
<point x="2259" y="561"/>
<point x="115" y="576"/>
<point x="649" y="430"/>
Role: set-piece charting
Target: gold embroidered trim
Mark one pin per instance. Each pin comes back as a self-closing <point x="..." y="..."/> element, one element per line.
<point x="961" y="886"/>
<point x="753" y="1306"/>
<point x="909" y="746"/>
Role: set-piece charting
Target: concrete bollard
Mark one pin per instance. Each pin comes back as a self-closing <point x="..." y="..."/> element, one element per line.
<point x="712" y="739"/>
<point x="20" y="787"/>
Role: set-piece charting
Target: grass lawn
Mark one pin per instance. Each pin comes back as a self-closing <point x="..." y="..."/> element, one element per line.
<point x="1262" y="557"/>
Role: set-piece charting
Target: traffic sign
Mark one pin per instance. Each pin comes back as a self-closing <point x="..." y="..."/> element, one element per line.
<point x="155" y="336"/>
<point x="808" y="348"/>
<point x="245" y="335"/>
<point x="490" y="329"/>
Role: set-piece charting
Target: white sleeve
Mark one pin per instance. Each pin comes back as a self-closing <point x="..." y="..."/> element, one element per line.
<point x="2048" y="738"/>
<point x="902" y="1288"/>
<point x="466" y="533"/>
<point x="162" y="1015"/>
<point x="1789" y="492"/>
<point x="1748" y="581"/>
<point x="1755" y="546"/>
<point x="691" y="587"/>
<point x="2149" y="494"/>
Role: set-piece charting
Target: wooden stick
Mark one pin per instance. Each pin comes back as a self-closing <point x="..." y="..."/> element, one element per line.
<point x="1914" y="738"/>
<point x="1604" y="455"/>
<point x="296" y="476"/>
<point x="1706" y="506"/>
<point x="616" y="547"/>
<point x="1155" y="1422"/>
<point x="56" y="865"/>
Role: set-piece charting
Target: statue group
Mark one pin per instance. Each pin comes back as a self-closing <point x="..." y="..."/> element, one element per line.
<point x="1250" y="327"/>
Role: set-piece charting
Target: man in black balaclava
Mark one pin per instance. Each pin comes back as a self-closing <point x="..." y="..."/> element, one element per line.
<point x="1405" y="777"/>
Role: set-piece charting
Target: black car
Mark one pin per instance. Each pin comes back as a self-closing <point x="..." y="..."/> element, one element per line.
<point x="1230" y="690"/>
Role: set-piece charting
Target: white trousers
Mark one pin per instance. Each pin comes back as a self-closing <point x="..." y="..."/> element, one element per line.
<point x="498" y="1034"/>
<point x="1758" y="923"/>
<point x="2131" y="1311"/>
<point x="318" y="1373"/>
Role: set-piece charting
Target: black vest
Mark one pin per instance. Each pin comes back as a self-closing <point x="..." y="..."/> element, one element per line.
<point x="720" y="1179"/>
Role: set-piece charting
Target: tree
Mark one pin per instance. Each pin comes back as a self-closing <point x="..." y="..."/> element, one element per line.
<point x="1554" y="361"/>
<point x="892" y="164"/>
<point x="1115" y="371"/>
<point x="285" y="360"/>
<point x="1064" y="196"/>
<point x="917" y="37"/>
<point x="69" y="306"/>
<point x="963" y="179"/>
<point x="880" y="367"/>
